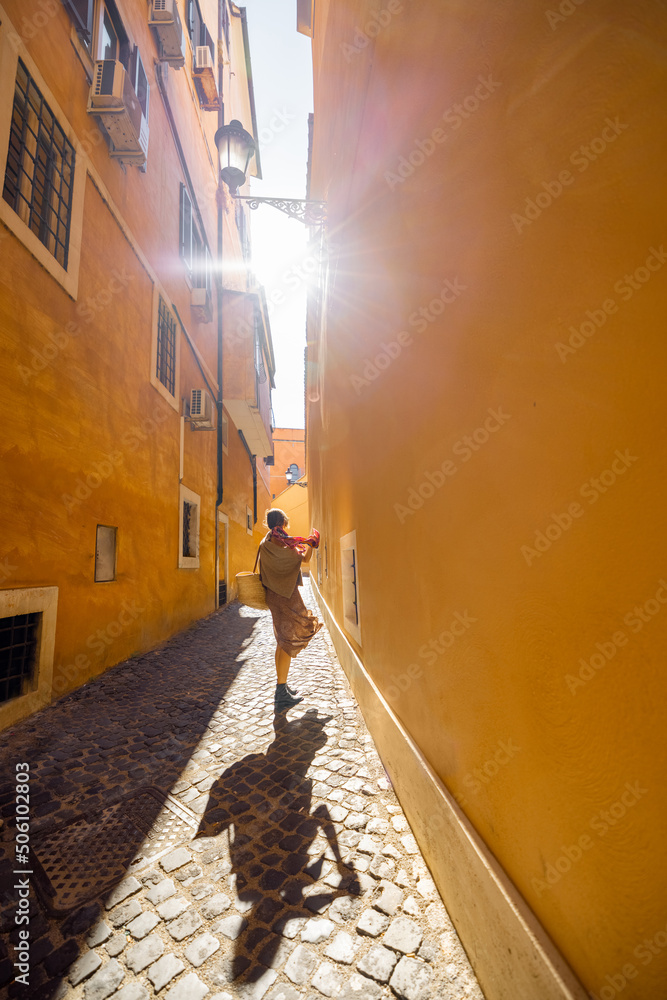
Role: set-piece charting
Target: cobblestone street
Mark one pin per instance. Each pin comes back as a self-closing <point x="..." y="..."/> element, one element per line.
<point x="185" y="846"/>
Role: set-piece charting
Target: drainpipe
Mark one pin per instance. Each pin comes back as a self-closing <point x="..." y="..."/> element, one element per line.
<point x="221" y="122"/>
<point x="253" y="462"/>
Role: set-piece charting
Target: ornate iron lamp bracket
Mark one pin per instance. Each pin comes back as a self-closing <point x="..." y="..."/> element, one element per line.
<point x="311" y="213"/>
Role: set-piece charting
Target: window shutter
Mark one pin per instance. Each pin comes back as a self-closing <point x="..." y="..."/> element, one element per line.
<point x="81" y="12"/>
<point x="185" y="234"/>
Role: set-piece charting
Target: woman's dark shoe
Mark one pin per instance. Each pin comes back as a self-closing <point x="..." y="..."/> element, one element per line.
<point x="283" y="699"/>
<point x="293" y="691"/>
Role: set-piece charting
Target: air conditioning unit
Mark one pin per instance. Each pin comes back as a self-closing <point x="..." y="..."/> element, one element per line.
<point x="202" y="307"/>
<point x="205" y="82"/>
<point x="201" y="409"/>
<point x="166" y="21"/>
<point x="112" y="97"/>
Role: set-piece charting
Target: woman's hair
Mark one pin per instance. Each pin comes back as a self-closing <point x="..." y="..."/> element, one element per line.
<point x="276" y="518"/>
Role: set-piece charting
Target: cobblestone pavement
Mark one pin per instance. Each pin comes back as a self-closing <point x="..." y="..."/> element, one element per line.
<point x="185" y="846"/>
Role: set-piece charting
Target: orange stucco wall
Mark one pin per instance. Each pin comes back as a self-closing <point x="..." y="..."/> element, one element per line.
<point x="87" y="438"/>
<point x="487" y="412"/>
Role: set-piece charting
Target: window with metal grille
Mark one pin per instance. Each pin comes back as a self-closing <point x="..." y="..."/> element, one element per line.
<point x="350" y="584"/>
<point x="350" y="608"/>
<point x="19" y="648"/>
<point x="166" y="347"/>
<point x="189" y="530"/>
<point x="40" y="168"/>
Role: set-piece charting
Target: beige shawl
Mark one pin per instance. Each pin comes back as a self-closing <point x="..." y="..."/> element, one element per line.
<point x="280" y="568"/>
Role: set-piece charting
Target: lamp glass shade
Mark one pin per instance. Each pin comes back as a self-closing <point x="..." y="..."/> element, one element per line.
<point x="236" y="147"/>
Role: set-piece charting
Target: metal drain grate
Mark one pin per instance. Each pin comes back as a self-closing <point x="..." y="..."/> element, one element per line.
<point x="83" y="859"/>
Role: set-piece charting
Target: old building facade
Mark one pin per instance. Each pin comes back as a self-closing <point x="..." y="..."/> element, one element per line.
<point x="137" y="356"/>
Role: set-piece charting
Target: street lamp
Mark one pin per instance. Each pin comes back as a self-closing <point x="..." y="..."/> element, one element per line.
<point x="292" y="475"/>
<point x="236" y="147"/>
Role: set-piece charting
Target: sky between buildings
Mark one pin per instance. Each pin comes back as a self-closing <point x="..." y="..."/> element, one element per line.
<point x="282" y="77"/>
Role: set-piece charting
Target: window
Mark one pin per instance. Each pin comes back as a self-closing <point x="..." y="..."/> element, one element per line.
<point x="260" y="367"/>
<point x="351" y="612"/>
<point x="164" y="369"/>
<point x="105" y="554"/>
<point x="192" y="246"/>
<point x="350" y="582"/>
<point x="194" y="21"/>
<point x="225" y="22"/>
<point x="197" y="30"/>
<point x="243" y="230"/>
<point x="185" y="233"/>
<point x="27" y="636"/>
<point x="139" y="81"/>
<point x="40" y="168"/>
<point x="101" y="28"/>
<point x="201" y="272"/>
<point x="19" y="643"/>
<point x="248" y="520"/>
<point x="166" y="348"/>
<point x="81" y="12"/>
<point x="108" y="46"/>
<point x="188" y="527"/>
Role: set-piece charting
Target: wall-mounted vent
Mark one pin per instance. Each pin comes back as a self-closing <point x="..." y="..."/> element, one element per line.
<point x="201" y="409"/>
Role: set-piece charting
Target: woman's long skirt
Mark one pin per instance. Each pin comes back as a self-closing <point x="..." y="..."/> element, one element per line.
<point x="293" y="624"/>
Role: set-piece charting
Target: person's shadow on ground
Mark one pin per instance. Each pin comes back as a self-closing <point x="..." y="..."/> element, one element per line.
<point x="265" y="802"/>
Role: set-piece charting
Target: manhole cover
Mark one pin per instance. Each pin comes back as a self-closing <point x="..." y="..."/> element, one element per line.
<point x="83" y="859"/>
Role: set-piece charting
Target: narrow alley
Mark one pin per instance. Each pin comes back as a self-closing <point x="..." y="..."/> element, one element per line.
<point x="186" y="844"/>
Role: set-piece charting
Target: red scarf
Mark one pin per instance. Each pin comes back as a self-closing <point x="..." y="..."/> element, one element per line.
<point x="295" y="541"/>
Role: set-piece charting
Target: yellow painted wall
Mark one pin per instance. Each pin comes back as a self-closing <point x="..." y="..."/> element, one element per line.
<point x="294" y="501"/>
<point x="237" y="497"/>
<point x="87" y="439"/>
<point x="487" y="412"/>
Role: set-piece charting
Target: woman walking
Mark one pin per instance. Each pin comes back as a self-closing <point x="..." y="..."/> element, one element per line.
<point x="280" y="559"/>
